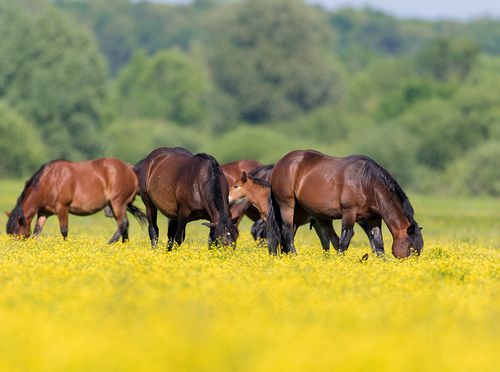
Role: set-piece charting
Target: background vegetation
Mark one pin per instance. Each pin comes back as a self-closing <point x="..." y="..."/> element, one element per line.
<point x="251" y="79"/>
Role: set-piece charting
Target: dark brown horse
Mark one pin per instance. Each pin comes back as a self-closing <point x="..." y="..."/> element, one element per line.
<point x="307" y="184"/>
<point x="185" y="187"/>
<point x="82" y="188"/>
<point x="257" y="190"/>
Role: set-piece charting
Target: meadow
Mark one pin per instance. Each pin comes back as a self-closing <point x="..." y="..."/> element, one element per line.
<point x="84" y="305"/>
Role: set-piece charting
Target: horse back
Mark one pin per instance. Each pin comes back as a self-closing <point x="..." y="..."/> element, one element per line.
<point x="166" y="178"/>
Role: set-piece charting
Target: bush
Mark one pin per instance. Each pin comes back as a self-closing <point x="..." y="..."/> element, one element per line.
<point x="21" y="148"/>
<point x="133" y="140"/>
<point x="481" y="170"/>
<point x="258" y="143"/>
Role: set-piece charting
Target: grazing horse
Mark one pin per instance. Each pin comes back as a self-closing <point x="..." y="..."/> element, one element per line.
<point x="241" y="208"/>
<point x="185" y="187"/>
<point x="308" y="184"/>
<point x="82" y="188"/>
<point x="256" y="191"/>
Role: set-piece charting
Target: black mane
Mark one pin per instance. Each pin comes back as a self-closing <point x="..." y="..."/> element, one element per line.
<point x="262" y="172"/>
<point x="260" y="181"/>
<point x="372" y="170"/>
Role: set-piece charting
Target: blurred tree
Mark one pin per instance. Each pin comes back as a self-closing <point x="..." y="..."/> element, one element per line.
<point x="147" y="135"/>
<point x="51" y="72"/>
<point x="21" y="148"/>
<point x="123" y="26"/>
<point x="169" y="85"/>
<point x="482" y="173"/>
<point x="446" y="58"/>
<point x="268" y="56"/>
<point x="370" y="29"/>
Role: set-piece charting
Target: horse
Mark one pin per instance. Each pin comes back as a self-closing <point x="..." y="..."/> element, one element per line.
<point x="81" y="188"/>
<point x="185" y="187"/>
<point x="242" y="208"/>
<point x="256" y="191"/>
<point x="308" y="183"/>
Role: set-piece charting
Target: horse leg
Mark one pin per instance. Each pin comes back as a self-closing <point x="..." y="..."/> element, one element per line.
<point x="288" y="229"/>
<point x="180" y="234"/>
<point x="62" y="214"/>
<point x="40" y="222"/>
<point x="151" y="215"/>
<point x="119" y="210"/>
<point x="172" y="229"/>
<point x="125" y="225"/>
<point x="332" y="235"/>
<point x="348" y="220"/>
<point x="373" y="228"/>
<point x="322" y="235"/>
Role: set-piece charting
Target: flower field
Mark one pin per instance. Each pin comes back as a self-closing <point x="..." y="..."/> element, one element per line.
<point x="83" y="305"/>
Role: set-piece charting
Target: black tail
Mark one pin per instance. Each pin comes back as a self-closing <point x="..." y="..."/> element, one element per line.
<point x="137" y="168"/>
<point x="217" y="188"/>
<point x="274" y="223"/>
<point x="138" y="214"/>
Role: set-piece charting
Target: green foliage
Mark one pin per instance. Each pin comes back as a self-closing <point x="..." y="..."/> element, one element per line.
<point x="250" y="142"/>
<point x="253" y="79"/>
<point x="446" y="58"/>
<point x="370" y="30"/>
<point x="21" y="148"/>
<point x="122" y="26"/>
<point x="391" y="148"/>
<point x="169" y="85"/>
<point x="267" y="55"/>
<point x="132" y="140"/>
<point x="481" y="173"/>
<point x="50" y="72"/>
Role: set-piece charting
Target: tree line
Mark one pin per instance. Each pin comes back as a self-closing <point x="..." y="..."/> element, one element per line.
<point x="251" y="79"/>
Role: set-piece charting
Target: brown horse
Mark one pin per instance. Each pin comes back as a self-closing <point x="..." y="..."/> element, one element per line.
<point x="82" y="188"/>
<point x="309" y="183"/>
<point x="185" y="187"/>
<point x="257" y="191"/>
<point x="242" y="207"/>
<point x="232" y="171"/>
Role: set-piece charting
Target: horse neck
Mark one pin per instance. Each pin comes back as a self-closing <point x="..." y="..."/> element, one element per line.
<point x="391" y="210"/>
<point x="258" y="197"/>
<point x="30" y="203"/>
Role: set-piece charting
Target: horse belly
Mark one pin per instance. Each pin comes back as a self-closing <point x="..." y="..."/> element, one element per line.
<point x="163" y="194"/>
<point x="88" y="199"/>
<point x="322" y="201"/>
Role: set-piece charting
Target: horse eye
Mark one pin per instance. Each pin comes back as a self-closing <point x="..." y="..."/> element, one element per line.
<point x="236" y="186"/>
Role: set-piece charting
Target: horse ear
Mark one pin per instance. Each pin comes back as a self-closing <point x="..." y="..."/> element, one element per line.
<point x="209" y="224"/>
<point x="244" y="177"/>
<point x="7" y="214"/>
<point x="421" y="228"/>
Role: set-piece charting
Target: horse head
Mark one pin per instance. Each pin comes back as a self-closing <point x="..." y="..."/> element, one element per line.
<point x="410" y="243"/>
<point x="238" y="189"/>
<point x="223" y="233"/>
<point x="17" y="224"/>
